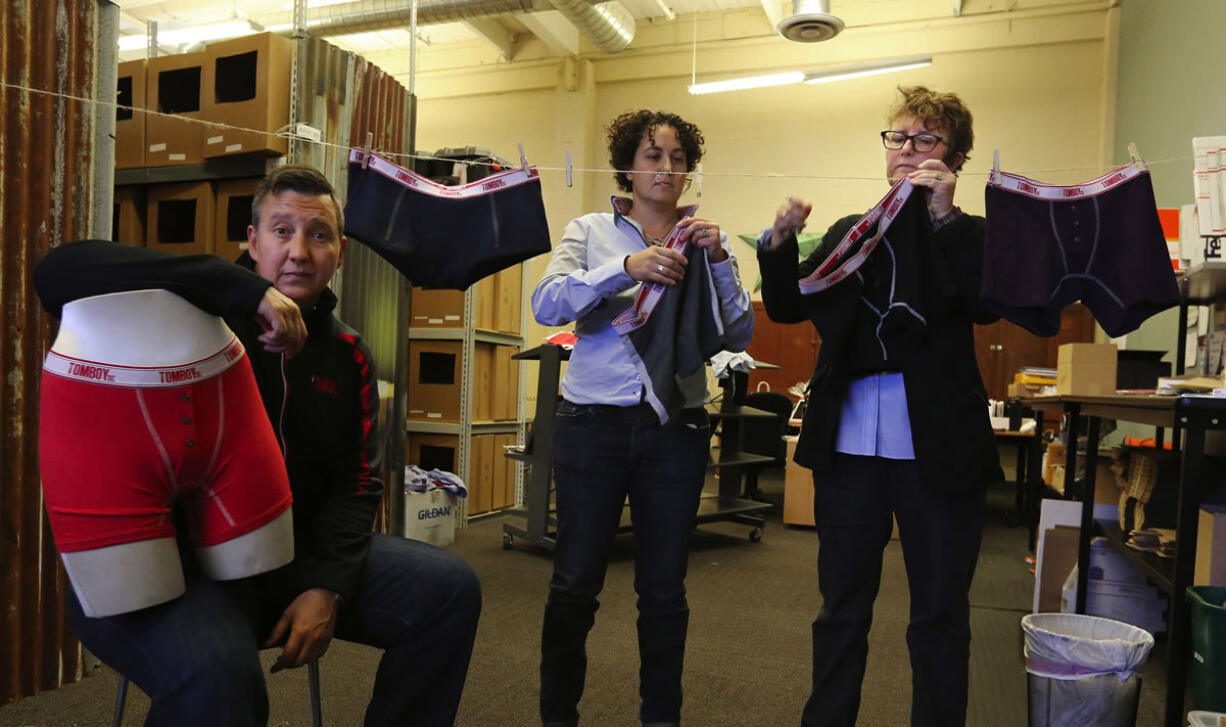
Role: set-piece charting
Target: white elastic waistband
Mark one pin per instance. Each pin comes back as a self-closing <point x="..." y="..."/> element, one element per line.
<point x="1053" y="192"/>
<point x="650" y="292"/>
<point x="144" y="377"/>
<point x="836" y="267"/>
<point x="483" y="186"/>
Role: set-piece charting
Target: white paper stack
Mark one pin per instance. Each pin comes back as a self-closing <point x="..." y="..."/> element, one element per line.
<point x="1208" y="153"/>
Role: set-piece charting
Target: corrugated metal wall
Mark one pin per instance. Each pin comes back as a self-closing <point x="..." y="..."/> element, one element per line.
<point x="46" y="197"/>
<point x="374" y="295"/>
<point x="346" y="97"/>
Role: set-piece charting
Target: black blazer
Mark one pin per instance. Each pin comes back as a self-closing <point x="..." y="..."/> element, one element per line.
<point x="955" y="449"/>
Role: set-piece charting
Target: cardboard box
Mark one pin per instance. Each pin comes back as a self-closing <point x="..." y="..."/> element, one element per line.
<point x="180" y="218"/>
<point x="505" y="384"/>
<point x="1106" y="489"/>
<point x="433" y="451"/>
<point x="504" y="472"/>
<point x="246" y="84"/>
<point x="509" y="283"/>
<point x="482" y="400"/>
<point x="1210" y="569"/>
<point x="797" y="489"/>
<point x="430" y="516"/>
<point x="436" y="308"/>
<point x="485" y="314"/>
<point x="130" y="122"/>
<point x="434" y="380"/>
<point x="481" y="468"/>
<point x="233" y="209"/>
<point x="173" y="86"/>
<point x="1086" y="369"/>
<point x="1059" y="556"/>
<point x="128" y="217"/>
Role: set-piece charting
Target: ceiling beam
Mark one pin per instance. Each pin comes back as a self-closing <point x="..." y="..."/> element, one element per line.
<point x="773" y="10"/>
<point x="495" y="34"/>
<point x="558" y="34"/>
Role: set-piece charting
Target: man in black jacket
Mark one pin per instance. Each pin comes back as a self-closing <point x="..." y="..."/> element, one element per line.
<point x="897" y="421"/>
<point x="197" y="656"/>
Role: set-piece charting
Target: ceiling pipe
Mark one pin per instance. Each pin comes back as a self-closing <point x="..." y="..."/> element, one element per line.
<point x="609" y="26"/>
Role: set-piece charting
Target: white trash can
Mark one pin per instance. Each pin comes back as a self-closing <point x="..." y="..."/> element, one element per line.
<point x="1083" y="671"/>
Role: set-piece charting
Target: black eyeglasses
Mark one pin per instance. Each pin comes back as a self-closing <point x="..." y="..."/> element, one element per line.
<point x="919" y="142"/>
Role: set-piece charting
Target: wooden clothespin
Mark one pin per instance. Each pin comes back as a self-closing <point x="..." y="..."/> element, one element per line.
<point x="370" y="141"/>
<point x="698" y="180"/>
<point x="523" y="158"/>
<point x="1136" y="156"/>
<point x="569" y="171"/>
<point x="459" y="170"/>
<point x="995" y="165"/>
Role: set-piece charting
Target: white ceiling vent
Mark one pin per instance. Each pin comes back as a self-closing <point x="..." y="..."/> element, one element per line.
<point x="810" y="22"/>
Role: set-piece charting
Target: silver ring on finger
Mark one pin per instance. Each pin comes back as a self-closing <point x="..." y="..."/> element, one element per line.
<point x="659" y="268"/>
<point x="940" y="177"/>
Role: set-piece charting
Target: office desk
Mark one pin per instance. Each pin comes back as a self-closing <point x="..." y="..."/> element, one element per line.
<point x="1194" y="416"/>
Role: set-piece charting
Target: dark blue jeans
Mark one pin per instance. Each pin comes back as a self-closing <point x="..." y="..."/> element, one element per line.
<point x="197" y="656"/>
<point x="940" y="535"/>
<point x="601" y="455"/>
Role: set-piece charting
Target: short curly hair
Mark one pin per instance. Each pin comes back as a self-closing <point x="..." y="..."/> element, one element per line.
<point x="942" y="110"/>
<point x="627" y="130"/>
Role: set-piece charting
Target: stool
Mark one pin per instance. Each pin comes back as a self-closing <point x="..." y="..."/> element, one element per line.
<point x="121" y="696"/>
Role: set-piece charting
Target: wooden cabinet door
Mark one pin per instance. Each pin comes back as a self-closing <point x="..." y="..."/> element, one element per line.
<point x="1003" y="347"/>
<point x="791" y="347"/>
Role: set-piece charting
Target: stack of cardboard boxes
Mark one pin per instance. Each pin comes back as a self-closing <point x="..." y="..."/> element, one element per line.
<point x="436" y="378"/>
<point x="229" y="99"/>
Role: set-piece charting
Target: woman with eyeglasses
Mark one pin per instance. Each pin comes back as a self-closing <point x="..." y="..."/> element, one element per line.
<point x="896" y="422"/>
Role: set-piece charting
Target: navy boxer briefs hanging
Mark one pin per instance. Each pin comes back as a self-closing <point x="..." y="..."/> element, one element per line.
<point x="440" y="236"/>
<point x="1099" y="242"/>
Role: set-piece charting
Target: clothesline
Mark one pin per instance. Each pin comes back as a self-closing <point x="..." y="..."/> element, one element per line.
<point x="563" y="169"/>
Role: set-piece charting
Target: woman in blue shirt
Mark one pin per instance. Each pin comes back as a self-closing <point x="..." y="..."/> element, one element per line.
<point x="632" y="423"/>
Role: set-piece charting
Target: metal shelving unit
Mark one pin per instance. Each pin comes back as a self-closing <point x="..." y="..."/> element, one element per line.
<point x="539" y="524"/>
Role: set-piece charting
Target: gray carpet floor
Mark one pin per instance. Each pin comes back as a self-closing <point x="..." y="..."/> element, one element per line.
<point x="748" y="655"/>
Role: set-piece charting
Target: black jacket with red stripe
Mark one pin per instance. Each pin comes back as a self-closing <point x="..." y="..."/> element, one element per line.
<point x="322" y="403"/>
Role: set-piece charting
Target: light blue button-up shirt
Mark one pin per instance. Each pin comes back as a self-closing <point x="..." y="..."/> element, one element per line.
<point x="874" y="421"/>
<point x="586" y="282"/>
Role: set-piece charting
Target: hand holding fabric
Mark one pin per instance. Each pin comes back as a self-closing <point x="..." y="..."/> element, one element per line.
<point x="705" y="234"/>
<point x="656" y="264"/>
<point x="940" y="181"/>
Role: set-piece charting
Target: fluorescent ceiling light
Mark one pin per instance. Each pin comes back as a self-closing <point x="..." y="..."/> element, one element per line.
<point x="192" y="34"/>
<point x="820" y="76"/>
<point x="866" y="69"/>
<point x="740" y="84"/>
